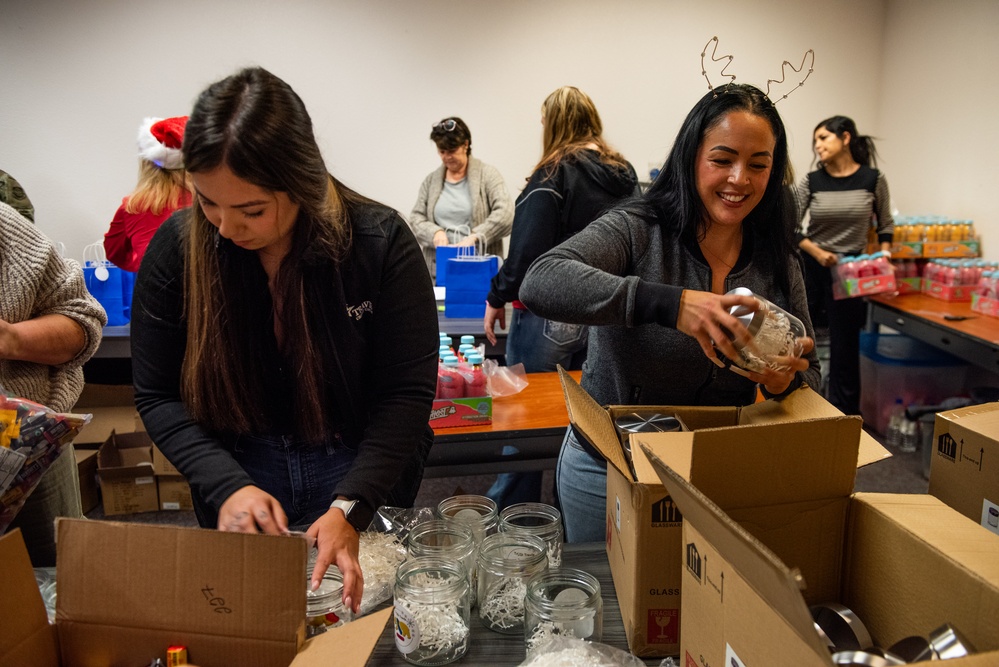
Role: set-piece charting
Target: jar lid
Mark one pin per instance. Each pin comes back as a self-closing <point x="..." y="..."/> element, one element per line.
<point x="637" y="423"/>
<point x="751" y="319"/>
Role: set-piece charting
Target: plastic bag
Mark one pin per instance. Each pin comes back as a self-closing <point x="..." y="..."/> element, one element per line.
<point x="504" y="380"/>
<point x="572" y="652"/>
<point x="383" y="548"/>
<point x="31" y="438"/>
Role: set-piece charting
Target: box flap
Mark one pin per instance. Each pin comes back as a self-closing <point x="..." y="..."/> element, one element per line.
<point x="123" y="452"/>
<point x="804" y="403"/>
<point x="982" y="418"/>
<point x="349" y="645"/>
<point x="761" y="568"/>
<point x="132" y="580"/>
<point x="674" y="449"/>
<point x="593" y="423"/>
<point x="26" y="638"/>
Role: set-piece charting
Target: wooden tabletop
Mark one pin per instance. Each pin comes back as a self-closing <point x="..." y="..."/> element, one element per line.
<point x="937" y="311"/>
<point x="540" y="405"/>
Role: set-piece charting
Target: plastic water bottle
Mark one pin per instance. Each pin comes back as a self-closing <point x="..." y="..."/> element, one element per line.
<point x="910" y="436"/>
<point x="893" y="434"/>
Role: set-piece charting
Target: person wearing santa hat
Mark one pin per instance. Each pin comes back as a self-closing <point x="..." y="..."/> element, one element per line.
<point x="162" y="189"/>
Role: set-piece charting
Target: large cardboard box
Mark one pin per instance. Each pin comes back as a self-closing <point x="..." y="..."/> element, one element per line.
<point x="128" y="591"/>
<point x="727" y="453"/>
<point x="113" y="410"/>
<point x="964" y="469"/>
<point x="904" y="564"/>
<point x="125" y="469"/>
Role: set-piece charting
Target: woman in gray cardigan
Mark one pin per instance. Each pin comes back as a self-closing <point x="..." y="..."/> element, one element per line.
<point x="462" y="202"/>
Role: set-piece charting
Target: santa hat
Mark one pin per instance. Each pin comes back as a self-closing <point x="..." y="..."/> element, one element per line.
<point x="160" y="141"/>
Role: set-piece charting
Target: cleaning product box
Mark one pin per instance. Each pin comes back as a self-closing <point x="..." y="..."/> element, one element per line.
<point x="125" y="469"/>
<point x="905" y="565"/>
<point x="127" y="592"/>
<point x="964" y="469"/>
<point x="727" y="450"/>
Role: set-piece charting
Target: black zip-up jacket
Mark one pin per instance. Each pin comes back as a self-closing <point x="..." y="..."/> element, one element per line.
<point x="553" y="208"/>
<point x="380" y="313"/>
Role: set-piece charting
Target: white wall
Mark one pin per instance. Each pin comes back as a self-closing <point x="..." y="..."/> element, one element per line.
<point x="375" y="75"/>
<point x="937" y="120"/>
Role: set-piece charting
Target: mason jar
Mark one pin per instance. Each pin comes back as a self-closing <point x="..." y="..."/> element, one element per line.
<point x="431" y="610"/>
<point x="537" y="519"/>
<point x="444" y="538"/>
<point x="477" y="512"/>
<point x="775" y="334"/>
<point x="507" y="561"/>
<point x="324" y="606"/>
<point x="562" y="602"/>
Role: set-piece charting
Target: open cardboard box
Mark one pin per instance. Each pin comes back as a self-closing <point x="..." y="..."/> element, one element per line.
<point x="905" y="565"/>
<point x="125" y="469"/>
<point x="964" y="469"/>
<point x="172" y="487"/>
<point x="113" y="410"/>
<point x="129" y="591"/>
<point x="728" y="450"/>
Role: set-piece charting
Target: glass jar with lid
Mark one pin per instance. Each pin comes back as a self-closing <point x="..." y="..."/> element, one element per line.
<point x="775" y="334"/>
<point x="432" y="610"/>
<point x="324" y="606"/>
<point x="538" y="519"/>
<point x="562" y="602"/>
<point x="507" y="561"/>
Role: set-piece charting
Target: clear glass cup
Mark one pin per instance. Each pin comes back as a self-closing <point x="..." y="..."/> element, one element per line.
<point x="507" y="561"/>
<point x="775" y="334"/>
<point x="432" y="610"/>
<point x="538" y="519"/>
<point x="444" y="538"/>
<point x="562" y="602"/>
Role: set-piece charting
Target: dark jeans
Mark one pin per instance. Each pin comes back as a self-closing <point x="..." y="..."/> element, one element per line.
<point x="300" y="475"/>
<point x="847" y="318"/>
<point x="540" y="345"/>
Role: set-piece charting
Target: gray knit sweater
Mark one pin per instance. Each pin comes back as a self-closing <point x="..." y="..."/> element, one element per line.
<point x="34" y="281"/>
<point x="625" y="275"/>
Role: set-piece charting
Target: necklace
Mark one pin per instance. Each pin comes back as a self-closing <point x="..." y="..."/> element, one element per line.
<point x="706" y="249"/>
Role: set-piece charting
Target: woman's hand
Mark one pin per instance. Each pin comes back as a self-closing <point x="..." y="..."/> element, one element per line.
<point x="252" y="510"/>
<point x="440" y="238"/>
<point x="338" y="544"/>
<point x="705" y="317"/>
<point x="826" y="258"/>
<point x="493" y="315"/>
<point x="775" y="382"/>
<point x="469" y="240"/>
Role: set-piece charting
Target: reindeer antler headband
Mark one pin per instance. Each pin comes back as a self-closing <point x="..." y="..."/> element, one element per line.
<point x="713" y="43"/>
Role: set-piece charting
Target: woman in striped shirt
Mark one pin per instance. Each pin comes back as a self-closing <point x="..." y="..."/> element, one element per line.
<point x="844" y="198"/>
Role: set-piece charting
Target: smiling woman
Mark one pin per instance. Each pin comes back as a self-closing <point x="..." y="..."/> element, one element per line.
<point x="269" y="364"/>
<point x="656" y="276"/>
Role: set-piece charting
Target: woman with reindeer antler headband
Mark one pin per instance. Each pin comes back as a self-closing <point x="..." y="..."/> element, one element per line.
<point x="654" y="275"/>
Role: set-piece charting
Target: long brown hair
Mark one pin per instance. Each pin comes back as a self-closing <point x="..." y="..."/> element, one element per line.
<point x="571" y="121"/>
<point x="258" y="127"/>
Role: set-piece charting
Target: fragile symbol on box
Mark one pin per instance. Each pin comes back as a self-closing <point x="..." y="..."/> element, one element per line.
<point x="664" y="627"/>
<point x="665" y="513"/>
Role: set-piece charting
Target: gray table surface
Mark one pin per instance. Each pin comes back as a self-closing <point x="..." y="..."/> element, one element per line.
<point x="488" y="648"/>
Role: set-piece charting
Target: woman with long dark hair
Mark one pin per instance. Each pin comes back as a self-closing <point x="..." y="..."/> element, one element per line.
<point x="271" y="364"/>
<point x="845" y="197"/>
<point x="651" y="279"/>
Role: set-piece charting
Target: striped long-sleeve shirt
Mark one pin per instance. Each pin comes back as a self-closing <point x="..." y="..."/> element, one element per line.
<point x="842" y="210"/>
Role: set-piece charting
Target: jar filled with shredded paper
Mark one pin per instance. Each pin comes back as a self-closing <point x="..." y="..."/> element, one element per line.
<point x="507" y="561"/>
<point x="563" y="602"/>
<point x="431" y="611"/>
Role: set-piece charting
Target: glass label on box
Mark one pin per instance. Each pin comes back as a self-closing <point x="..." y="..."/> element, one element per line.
<point x="990" y="515"/>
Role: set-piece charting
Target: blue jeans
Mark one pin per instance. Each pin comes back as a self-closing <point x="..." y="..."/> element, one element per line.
<point x="540" y="345"/>
<point x="582" y="491"/>
<point x="300" y="475"/>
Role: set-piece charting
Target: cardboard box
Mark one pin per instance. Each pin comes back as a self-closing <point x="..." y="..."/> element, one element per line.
<point x="984" y="305"/>
<point x="964" y="470"/>
<point x="905" y="565"/>
<point x="172" y="487"/>
<point x="86" y="465"/>
<point x="951" y="248"/>
<point x="113" y="410"/>
<point x="128" y="591"/>
<point x="728" y="453"/>
<point x="449" y="412"/>
<point x="905" y="250"/>
<point x="125" y="469"/>
<point x="853" y="287"/>
<point x="947" y="292"/>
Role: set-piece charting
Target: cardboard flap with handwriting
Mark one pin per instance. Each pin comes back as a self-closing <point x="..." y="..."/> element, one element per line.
<point x="230" y="598"/>
<point x="757" y="565"/>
